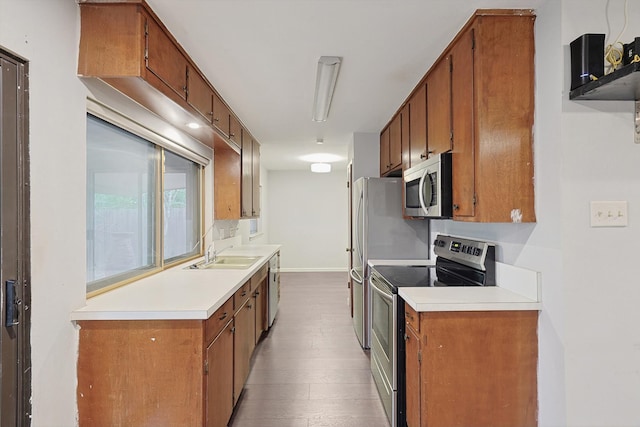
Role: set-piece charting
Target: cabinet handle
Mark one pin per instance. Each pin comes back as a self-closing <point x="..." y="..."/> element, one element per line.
<point x="423" y="156"/>
<point x="215" y="119"/>
<point x="455" y="207"/>
<point x="210" y="113"/>
<point x="224" y="316"/>
<point x="244" y="294"/>
<point x="257" y="293"/>
<point x="406" y="337"/>
<point x="233" y="330"/>
<point x="232" y="135"/>
<point x="249" y="306"/>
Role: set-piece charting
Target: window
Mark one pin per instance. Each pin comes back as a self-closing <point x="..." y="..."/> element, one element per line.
<point x="139" y="219"/>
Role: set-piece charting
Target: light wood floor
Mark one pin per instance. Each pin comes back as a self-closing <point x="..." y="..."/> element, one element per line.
<point x="309" y="370"/>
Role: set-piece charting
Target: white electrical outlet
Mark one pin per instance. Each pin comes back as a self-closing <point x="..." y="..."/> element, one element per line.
<point x="609" y="214"/>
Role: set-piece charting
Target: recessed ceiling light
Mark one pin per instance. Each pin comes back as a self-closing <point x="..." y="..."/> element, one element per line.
<point x="193" y="125"/>
<point x="320" y="167"/>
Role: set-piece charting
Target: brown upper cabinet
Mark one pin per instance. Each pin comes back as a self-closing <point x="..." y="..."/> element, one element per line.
<point x="439" y="132"/>
<point x="164" y="59"/>
<point x="493" y="173"/>
<point x="418" y="125"/>
<point x="391" y="148"/>
<point x="125" y="44"/>
<point x="199" y="94"/>
<point x="479" y="103"/>
<point x="405" y="145"/>
<point x="227" y="172"/>
<point x="250" y="177"/>
<point x="221" y="115"/>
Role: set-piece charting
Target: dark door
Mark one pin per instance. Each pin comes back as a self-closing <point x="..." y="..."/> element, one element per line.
<point x="15" y="380"/>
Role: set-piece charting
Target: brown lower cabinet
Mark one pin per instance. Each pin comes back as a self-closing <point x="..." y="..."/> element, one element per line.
<point x="219" y="378"/>
<point x="472" y="369"/>
<point x="169" y="372"/>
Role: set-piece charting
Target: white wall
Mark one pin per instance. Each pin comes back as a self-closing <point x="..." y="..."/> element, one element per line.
<point x="600" y="162"/>
<point x="46" y="33"/>
<point x="308" y="215"/>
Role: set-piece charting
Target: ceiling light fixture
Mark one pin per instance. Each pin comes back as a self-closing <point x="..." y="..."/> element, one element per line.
<point x="193" y="125"/>
<point x="320" y="167"/>
<point x="327" y="74"/>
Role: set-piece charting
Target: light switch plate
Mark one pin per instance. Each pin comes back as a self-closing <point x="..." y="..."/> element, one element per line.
<point x="609" y="214"/>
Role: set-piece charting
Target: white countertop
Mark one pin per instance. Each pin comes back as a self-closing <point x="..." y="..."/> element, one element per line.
<point x="489" y="298"/>
<point x="176" y="293"/>
<point x="517" y="289"/>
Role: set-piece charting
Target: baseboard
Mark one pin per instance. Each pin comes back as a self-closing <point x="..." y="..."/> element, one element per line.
<point x="313" y="270"/>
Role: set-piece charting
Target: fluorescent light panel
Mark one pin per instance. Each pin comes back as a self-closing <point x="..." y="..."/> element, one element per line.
<point x="327" y="74"/>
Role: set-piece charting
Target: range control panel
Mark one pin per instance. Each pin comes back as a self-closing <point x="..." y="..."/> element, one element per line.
<point x="474" y="253"/>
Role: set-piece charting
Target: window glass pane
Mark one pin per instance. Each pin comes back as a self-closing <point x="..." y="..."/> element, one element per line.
<point x="181" y="207"/>
<point x="122" y="177"/>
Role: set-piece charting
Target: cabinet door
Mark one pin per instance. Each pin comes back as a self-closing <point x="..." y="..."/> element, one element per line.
<point x="199" y="94"/>
<point x="247" y="175"/>
<point x="395" y="143"/>
<point x="463" y="163"/>
<point x="384" y="151"/>
<point x="165" y="60"/>
<point x="405" y="147"/>
<point x="221" y="115"/>
<point x="255" y="179"/>
<point x="227" y="178"/>
<point x="412" y="375"/>
<point x="235" y="130"/>
<point x="219" y="381"/>
<point x="243" y="343"/>
<point x="418" y="125"/>
<point x="439" y="107"/>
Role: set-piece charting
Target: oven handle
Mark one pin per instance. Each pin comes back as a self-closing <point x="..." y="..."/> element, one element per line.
<point x="381" y="292"/>
<point x="421" y="191"/>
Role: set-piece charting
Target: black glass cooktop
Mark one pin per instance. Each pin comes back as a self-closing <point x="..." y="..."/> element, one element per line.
<point x="446" y="274"/>
<point x="407" y="275"/>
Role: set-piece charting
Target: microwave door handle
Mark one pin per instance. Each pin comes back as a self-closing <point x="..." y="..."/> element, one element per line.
<point x="421" y="191"/>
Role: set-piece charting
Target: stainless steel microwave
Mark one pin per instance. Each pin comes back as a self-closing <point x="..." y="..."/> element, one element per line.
<point x="427" y="188"/>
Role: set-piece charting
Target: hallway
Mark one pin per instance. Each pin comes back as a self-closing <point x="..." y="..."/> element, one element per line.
<point x="309" y="370"/>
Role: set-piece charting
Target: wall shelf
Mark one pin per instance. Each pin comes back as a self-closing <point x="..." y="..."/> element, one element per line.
<point x="621" y="85"/>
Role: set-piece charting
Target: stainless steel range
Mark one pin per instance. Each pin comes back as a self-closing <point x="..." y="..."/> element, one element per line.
<point x="459" y="262"/>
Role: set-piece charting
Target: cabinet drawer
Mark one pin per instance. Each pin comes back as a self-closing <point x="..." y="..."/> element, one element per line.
<point x="241" y="295"/>
<point x="411" y="318"/>
<point x="260" y="275"/>
<point x="214" y="324"/>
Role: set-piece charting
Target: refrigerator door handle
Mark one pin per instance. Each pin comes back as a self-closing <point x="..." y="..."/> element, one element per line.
<point x="355" y="276"/>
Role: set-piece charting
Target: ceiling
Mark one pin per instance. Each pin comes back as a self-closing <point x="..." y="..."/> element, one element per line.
<point x="261" y="56"/>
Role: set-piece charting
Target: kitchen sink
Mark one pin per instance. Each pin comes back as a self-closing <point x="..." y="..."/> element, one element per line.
<point x="226" y="262"/>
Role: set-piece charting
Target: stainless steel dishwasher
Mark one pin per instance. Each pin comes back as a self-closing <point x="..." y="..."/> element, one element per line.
<point x="274" y="286"/>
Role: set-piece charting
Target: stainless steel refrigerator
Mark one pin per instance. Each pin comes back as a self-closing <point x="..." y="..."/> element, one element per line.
<point x="379" y="232"/>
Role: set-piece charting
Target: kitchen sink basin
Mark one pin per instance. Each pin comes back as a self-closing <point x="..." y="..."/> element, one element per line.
<point x="226" y="261"/>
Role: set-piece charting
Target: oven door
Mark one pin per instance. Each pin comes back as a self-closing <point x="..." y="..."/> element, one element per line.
<point x="383" y="344"/>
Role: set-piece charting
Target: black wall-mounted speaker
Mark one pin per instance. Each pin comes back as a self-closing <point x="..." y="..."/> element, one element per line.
<point x="587" y="58"/>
